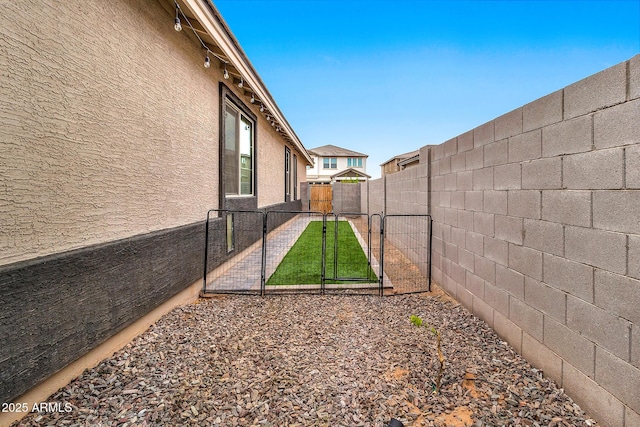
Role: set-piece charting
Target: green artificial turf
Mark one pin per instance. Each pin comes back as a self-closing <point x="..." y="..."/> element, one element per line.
<point x="303" y="263"/>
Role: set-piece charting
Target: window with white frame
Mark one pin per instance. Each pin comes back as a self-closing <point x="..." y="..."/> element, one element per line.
<point x="238" y="152"/>
<point x="354" y="162"/>
<point x="330" y="163"/>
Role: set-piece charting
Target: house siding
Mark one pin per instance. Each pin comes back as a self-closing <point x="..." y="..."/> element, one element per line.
<point x="109" y="162"/>
<point x="390" y="167"/>
<point x="271" y="182"/>
<point x="93" y="152"/>
<point x="319" y="173"/>
<point x="58" y="307"/>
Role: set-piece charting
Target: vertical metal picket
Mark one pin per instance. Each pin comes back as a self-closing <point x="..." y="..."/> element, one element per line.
<point x="323" y="276"/>
<point x="264" y="256"/>
<point x="381" y="276"/>
<point x="430" y="248"/>
<point x="206" y="252"/>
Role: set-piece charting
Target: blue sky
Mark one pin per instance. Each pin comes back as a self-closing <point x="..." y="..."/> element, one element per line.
<point x="387" y="77"/>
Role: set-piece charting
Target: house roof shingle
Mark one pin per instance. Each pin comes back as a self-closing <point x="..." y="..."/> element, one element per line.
<point x="333" y="151"/>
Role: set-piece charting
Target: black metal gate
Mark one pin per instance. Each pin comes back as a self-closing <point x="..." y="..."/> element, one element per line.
<point x="352" y="266"/>
<point x="233" y="254"/>
<point x="406" y="252"/>
<point x="293" y="252"/>
<point x="257" y="252"/>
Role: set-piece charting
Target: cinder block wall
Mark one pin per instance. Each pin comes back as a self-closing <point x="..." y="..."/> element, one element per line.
<point x="346" y="197"/>
<point x="537" y="232"/>
<point x="406" y="192"/>
<point x="401" y="192"/>
<point x="373" y="196"/>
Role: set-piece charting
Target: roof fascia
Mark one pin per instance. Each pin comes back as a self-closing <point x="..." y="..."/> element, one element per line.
<point x="212" y="22"/>
<point x="344" y="172"/>
<point x="409" y="160"/>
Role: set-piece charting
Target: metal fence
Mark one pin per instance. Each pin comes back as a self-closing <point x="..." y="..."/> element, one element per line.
<point x="406" y="252"/>
<point x="258" y="252"/>
<point x="354" y="266"/>
<point x="233" y="254"/>
<point x="293" y="262"/>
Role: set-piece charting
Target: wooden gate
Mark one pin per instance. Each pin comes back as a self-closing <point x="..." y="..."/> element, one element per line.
<point x="321" y="198"/>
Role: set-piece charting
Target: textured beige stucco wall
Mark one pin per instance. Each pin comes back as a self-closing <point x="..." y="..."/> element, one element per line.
<point x="302" y="173"/>
<point x="270" y="167"/>
<point x="109" y="125"/>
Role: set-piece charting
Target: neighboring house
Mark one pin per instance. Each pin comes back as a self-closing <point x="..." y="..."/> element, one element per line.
<point x="331" y="163"/>
<point x="119" y="133"/>
<point x="400" y="162"/>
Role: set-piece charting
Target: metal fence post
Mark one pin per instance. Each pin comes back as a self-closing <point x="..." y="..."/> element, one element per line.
<point x="430" y="248"/>
<point x="263" y="268"/>
<point x="324" y="253"/>
<point x="369" y="225"/>
<point x="381" y="278"/>
<point x="206" y="252"/>
<point x="335" y="245"/>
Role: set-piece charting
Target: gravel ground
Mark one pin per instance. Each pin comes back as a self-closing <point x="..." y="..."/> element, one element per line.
<point x="309" y="360"/>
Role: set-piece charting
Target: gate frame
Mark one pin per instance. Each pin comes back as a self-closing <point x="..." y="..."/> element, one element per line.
<point x="263" y="278"/>
<point x="206" y="250"/>
<point x="336" y="217"/>
<point x="329" y="201"/>
<point x="382" y="237"/>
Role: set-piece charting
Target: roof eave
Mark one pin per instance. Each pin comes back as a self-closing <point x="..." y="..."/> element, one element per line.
<point x="213" y="23"/>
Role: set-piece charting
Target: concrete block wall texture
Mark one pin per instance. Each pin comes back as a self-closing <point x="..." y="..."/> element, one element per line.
<point x="398" y="194"/>
<point x="346" y="197"/>
<point x="537" y="232"/>
<point x="376" y="196"/>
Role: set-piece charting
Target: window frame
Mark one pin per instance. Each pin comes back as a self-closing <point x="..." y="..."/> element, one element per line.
<point x="331" y="161"/>
<point x="287" y="174"/>
<point x="354" y="162"/>
<point x="248" y="201"/>
<point x="240" y="118"/>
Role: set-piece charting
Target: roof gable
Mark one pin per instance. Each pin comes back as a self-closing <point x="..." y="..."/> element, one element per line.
<point x="351" y="172"/>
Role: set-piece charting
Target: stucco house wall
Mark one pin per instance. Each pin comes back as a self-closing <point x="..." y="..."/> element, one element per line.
<point x="272" y="175"/>
<point x="536" y="232"/>
<point x="109" y="161"/>
<point x="91" y="152"/>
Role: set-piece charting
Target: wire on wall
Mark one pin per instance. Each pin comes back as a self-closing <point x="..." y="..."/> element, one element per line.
<point x="207" y="61"/>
